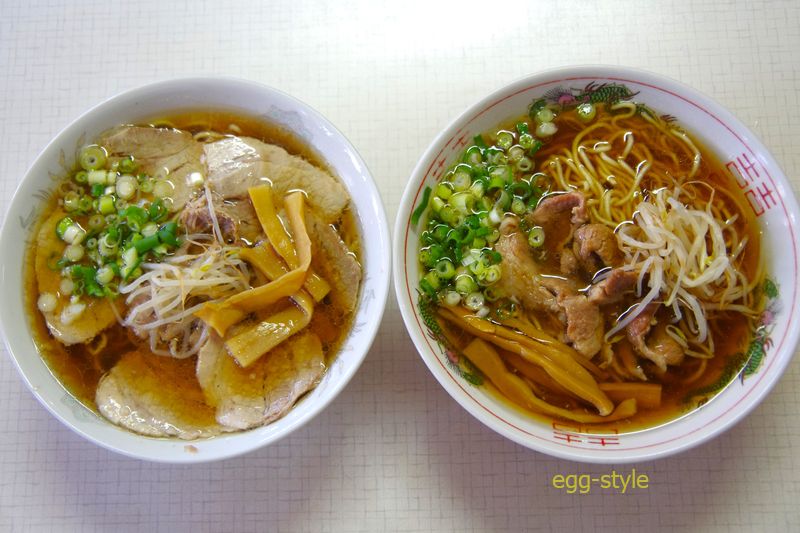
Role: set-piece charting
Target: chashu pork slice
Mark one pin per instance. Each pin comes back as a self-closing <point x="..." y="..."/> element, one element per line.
<point x="237" y="163"/>
<point x="158" y="151"/>
<point x="335" y="262"/>
<point x="522" y="279"/>
<point x="267" y="389"/>
<point x="98" y="314"/>
<point x="156" y="396"/>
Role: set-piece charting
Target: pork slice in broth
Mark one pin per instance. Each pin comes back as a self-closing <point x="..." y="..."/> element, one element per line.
<point x="334" y="260"/>
<point x="236" y="218"/>
<point x="238" y="163"/>
<point x="522" y="278"/>
<point x="159" y="152"/>
<point x="97" y="315"/>
<point x="156" y="396"/>
<point x="264" y="391"/>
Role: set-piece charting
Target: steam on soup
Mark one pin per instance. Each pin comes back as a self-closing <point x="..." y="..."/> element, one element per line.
<point x="593" y="262"/>
<point x="194" y="276"/>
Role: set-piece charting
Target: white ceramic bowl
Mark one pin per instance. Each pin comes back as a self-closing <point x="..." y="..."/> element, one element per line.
<point x="247" y="98"/>
<point x="767" y="190"/>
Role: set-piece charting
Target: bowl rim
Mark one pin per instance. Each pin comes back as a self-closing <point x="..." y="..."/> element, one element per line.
<point x="247" y="440"/>
<point x="690" y="96"/>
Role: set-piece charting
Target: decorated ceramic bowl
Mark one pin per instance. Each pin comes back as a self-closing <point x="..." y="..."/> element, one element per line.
<point x="746" y="165"/>
<point x="240" y="98"/>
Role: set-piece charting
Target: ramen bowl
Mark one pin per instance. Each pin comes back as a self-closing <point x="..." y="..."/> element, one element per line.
<point x="748" y="166"/>
<point x="241" y="98"/>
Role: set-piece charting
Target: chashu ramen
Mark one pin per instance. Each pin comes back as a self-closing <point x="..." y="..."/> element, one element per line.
<point x="194" y="276"/>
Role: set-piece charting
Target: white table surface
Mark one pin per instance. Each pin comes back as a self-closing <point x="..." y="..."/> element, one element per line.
<point x="394" y="452"/>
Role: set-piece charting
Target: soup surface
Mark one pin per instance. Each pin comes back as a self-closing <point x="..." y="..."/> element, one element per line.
<point x="243" y="285"/>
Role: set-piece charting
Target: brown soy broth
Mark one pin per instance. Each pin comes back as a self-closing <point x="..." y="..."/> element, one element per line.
<point x="79" y="369"/>
<point x="731" y="331"/>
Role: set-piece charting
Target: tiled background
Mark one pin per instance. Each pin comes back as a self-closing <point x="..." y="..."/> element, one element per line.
<point x="393" y="452"/>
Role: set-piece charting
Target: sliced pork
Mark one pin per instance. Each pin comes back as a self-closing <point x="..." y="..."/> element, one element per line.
<point x="614" y="287"/>
<point x="156" y="396"/>
<point x="266" y="390"/>
<point x="522" y="278"/>
<point x="596" y="246"/>
<point x="98" y="313"/>
<point x="238" y="163"/>
<point x="657" y="346"/>
<point x="335" y="262"/>
<point x="161" y="152"/>
<point x="237" y="219"/>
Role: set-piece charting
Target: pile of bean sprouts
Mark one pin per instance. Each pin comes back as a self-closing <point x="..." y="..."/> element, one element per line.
<point x="166" y="295"/>
<point x="689" y="259"/>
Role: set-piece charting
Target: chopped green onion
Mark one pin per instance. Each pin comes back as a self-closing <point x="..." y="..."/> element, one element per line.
<point x="452" y="298"/>
<point x="73" y="253"/>
<point x="546" y="129"/>
<point x="444" y="190"/>
<point x="97" y="177"/>
<point x="477" y="189"/>
<point x="81" y="176"/>
<point x="72" y="201"/>
<point x="127" y="165"/>
<point x="47" y="302"/>
<point x="151" y="228"/>
<point x="105" y="275"/>
<point x="105" y="205"/>
<point x="440" y="232"/>
<point x="126" y="187"/>
<point x="526" y="141"/>
<point x="462" y="202"/>
<point x="417" y="214"/>
<point x="501" y="171"/>
<point x="522" y="189"/>
<point x="505" y="139"/>
<point x="158" y="210"/>
<point x="96" y="222"/>
<point x="465" y="284"/>
<point x="492" y="293"/>
<point x="130" y="261"/>
<point x="545" y="115"/>
<point x="474" y="300"/>
<point x="515" y="153"/>
<point x="166" y="234"/>
<point x="491" y="274"/>
<point x="163" y="189"/>
<point x="586" y="112"/>
<point x="92" y="157"/>
<point x="522" y="128"/>
<point x="518" y="206"/>
<point x="461" y="180"/>
<point x="69" y="231"/>
<point x="536" y="237"/>
<point x="536" y="106"/>
<point x="445" y="269"/>
<point x="448" y="215"/>
<point x="433" y="279"/>
<point x="107" y="246"/>
<point x="136" y="216"/>
<point x="146" y="244"/>
<point x="524" y="164"/>
<point x="473" y="156"/>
